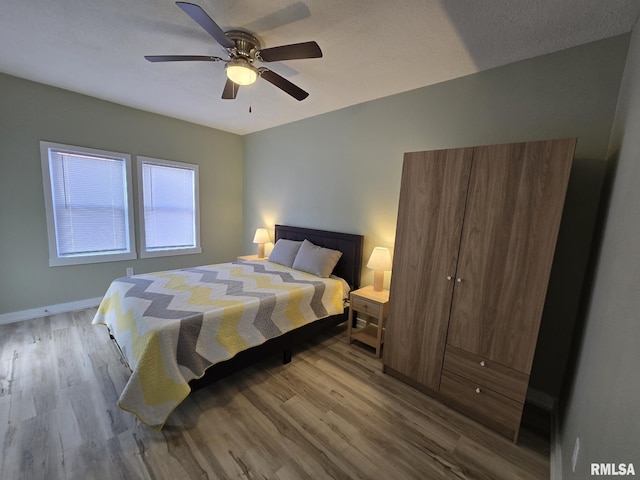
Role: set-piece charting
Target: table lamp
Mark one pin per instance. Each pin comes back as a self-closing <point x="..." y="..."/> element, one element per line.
<point x="379" y="262"/>
<point x="261" y="237"/>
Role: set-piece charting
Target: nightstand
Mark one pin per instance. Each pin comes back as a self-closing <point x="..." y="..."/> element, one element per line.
<point x="252" y="258"/>
<point x="373" y="305"/>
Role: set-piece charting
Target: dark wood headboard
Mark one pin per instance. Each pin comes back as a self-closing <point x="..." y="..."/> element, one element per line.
<point x="349" y="266"/>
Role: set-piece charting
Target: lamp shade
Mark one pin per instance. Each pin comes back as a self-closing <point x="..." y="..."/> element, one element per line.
<point x="261" y="236"/>
<point x="241" y="72"/>
<point x="380" y="259"/>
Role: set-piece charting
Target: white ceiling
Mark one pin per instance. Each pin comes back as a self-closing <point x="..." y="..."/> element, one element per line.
<point x="372" y="48"/>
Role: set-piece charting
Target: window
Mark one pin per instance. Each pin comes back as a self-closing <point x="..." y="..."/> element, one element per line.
<point x="88" y="204"/>
<point x="168" y="202"/>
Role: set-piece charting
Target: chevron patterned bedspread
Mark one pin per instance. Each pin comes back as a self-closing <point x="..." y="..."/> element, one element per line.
<point x="171" y="326"/>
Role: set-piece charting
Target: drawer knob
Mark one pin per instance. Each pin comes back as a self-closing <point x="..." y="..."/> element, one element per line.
<point x="482" y="363"/>
<point x="449" y="277"/>
<point x="459" y="280"/>
<point x="478" y="390"/>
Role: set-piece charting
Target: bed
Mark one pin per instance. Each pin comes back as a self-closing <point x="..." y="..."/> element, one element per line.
<point x="183" y="329"/>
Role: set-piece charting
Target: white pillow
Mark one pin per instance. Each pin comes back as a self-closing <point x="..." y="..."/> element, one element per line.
<point x="316" y="260"/>
<point x="284" y="252"/>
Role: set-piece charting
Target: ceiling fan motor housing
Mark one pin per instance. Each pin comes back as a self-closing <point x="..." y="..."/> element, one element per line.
<point x="246" y="44"/>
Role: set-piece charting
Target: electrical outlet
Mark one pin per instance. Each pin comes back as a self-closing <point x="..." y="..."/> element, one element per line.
<point x="574" y="455"/>
<point x="129" y="271"/>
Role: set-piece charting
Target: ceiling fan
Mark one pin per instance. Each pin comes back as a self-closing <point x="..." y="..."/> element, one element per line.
<point x="243" y="49"/>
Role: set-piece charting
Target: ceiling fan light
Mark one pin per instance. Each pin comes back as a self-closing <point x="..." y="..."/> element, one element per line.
<point x="241" y="72"/>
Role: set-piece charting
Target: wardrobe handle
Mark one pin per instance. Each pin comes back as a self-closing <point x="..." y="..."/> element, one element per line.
<point x="478" y="390"/>
<point x="482" y="363"/>
<point x="449" y="277"/>
<point x="459" y="280"/>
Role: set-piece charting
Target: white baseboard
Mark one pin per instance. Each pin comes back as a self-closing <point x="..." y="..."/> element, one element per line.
<point x="555" y="454"/>
<point x="13" y="317"/>
<point x="547" y="402"/>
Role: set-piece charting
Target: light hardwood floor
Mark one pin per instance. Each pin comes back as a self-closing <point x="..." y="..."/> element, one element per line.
<point x="330" y="413"/>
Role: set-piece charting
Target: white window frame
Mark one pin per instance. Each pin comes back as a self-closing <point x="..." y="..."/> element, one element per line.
<point x="55" y="259"/>
<point x="171" y="251"/>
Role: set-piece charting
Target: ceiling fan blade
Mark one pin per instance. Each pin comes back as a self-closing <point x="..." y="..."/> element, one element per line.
<point x="230" y="90"/>
<point x="182" y="58"/>
<point x="205" y="21"/>
<point x="294" y="51"/>
<point x="283" y="84"/>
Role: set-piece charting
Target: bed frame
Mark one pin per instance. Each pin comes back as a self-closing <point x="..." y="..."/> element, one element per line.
<point x="349" y="267"/>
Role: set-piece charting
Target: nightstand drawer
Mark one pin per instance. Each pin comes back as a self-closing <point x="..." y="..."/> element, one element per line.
<point x="506" y="381"/>
<point x="481" y="403"/>
<point x="365" y="306"/>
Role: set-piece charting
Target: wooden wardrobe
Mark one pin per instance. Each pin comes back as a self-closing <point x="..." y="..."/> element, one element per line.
<point x="475" y="239"/>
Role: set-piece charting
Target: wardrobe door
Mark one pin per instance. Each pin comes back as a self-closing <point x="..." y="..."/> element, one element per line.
<point x="516" y="197"/>
<point x="430" y="215"/>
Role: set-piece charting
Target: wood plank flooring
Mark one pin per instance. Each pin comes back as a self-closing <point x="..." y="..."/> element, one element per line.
<point x="330" y="413"/>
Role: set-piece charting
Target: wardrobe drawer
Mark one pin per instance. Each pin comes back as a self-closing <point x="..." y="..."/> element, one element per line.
<point x="482" y="404"/>
<point x="498" y="378"/>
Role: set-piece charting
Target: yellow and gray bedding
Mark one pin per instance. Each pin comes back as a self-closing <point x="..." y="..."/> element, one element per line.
<point x="171" y="326"/>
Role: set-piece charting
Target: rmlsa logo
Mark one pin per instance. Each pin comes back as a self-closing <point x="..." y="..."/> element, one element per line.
<point x="612" y="469"/>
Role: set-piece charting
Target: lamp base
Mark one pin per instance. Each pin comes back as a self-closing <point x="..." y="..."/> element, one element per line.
<point x="378" y="280"/>
<point x="261" y="250"/>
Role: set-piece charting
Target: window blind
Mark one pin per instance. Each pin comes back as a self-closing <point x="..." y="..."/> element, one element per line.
<point x="169" y="198"/>
<point x="89" y="194"/>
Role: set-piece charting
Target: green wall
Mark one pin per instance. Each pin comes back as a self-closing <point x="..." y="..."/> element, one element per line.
<point x="30" y="112"/>
<point x="341" y="170"/>
<point x="603" y="398"/>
